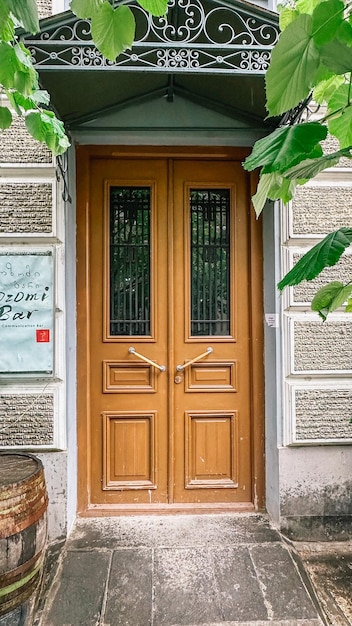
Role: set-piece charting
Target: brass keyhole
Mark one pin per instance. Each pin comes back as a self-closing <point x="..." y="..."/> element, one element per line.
<point x="178" y="380"/>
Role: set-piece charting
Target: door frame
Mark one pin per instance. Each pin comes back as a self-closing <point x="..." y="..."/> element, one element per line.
<point x="84" y="154"/>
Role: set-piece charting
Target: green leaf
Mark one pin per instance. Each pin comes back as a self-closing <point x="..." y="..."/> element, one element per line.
<point x="306" y="6"/>
<point x="22" y="103"/>
<point x="326" y="88"/>
<point x="324" y="254"/>
<point x="348" y="308"/>
<point x="294" y="63"/>
<point x="330" y="297"/>
<point x="337" y="57"/>
<point x="273" y="187"/>
<point x="26" y="12"/>
<point x="4" y="14"/>
<point x="155" y="7"/>
<point x="327" y="18"/>
<point x="309" y="168"/>
<point x="5" y="118"/>
<point x="341" y="125"/>
<point x="23" y="55"/>
<point x="260" y="197"/>
<point x="85" y="8"/>
<point x="113" y="30"/>
<point x="286" y="17"/>
<point x="282" y="189"/>
<point x="9" y="65"/>
<point x="19" y="102"/>
<point x="45" y="127"/>
<point x="41" y="96"/>
<point x="344" y="33"/>
<point x="285" y="147"/>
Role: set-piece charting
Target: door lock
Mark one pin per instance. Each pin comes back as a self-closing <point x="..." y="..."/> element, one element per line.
<point x="178" y="380"/>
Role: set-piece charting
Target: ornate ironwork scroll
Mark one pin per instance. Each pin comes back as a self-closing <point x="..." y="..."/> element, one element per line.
<point x="195" y="37"/>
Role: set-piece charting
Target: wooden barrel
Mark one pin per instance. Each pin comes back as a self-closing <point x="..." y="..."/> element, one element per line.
<point x="23" y="527"/>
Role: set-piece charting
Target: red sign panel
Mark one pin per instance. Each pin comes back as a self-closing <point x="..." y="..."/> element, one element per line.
<point x="43" y="335"/>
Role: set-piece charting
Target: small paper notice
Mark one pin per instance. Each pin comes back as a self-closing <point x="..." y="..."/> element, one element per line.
<point x="272" y="319"/>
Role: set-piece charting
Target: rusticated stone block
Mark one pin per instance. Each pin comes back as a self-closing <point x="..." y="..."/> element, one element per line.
<point x="17" y="145"/>
<point x="320" y="209"/>
<point x="319" y="346"/>
<point x="323" y="414"/>
<point x="44" y="8"/>
<point x="26" y="420"/>
<point x="330" y="145"/>
<point x="26" y="207"/>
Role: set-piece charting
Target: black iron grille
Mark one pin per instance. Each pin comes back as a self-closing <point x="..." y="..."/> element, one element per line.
<point x="210" y="262"/>
<point x="130" y="261"/>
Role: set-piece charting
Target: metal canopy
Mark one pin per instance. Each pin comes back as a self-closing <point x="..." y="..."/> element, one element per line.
<point x="216" y="52"/>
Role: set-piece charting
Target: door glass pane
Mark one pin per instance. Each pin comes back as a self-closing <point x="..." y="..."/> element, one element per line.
<point x="210" y="262"/>
<point x="130" y="261"/>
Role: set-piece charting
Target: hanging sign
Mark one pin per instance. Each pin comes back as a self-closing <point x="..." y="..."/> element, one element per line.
<point x="26" y="312"/>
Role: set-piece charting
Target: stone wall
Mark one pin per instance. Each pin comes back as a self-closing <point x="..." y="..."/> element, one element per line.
<point x="32" y="407"/>
<point x="317" y="368"/>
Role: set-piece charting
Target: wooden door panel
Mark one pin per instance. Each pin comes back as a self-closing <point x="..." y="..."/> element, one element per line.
<point x="211" y="230"/>
<point x="211" y="377"/>
<point x="211" y="450"/>
<point x="127" y="377"/>
<point x="128" y="418"/>
<point x="129" y="452"/>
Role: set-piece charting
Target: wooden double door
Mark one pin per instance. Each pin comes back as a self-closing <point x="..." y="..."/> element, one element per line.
<point x="165" y="333"/>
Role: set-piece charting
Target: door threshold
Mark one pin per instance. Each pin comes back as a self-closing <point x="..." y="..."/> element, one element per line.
<point x="106" y="510"/>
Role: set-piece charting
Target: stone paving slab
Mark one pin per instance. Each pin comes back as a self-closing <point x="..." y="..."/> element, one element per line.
<point x="217" y="570"/>
<point x="329" y="567"/>
<point x="172" y="530"/>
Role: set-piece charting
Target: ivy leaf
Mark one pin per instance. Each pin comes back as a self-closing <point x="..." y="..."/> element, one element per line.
<point x="285" y="147"/>
<point x="330" y="297"/>
<point x="113" y="30"/>
<point x="324" y="254"/>
<point x="45" y="127"/>
<point x="337" y="57"/>
<point x="26" y="12"/>
<point x="155" y="7"/>
<point x="327" y="18"/>
<point x="85" y="8"/>
<point x="309" y="168"/>
<point x="294" y="63"/>
<point x="341" y="125"/>
<point x="5" y="118"/>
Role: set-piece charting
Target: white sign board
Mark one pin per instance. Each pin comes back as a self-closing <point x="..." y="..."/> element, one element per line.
<point x="26" y="312"/>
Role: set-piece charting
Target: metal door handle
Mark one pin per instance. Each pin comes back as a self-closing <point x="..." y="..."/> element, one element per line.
<point x="132" y="350"/>
<point x="179" y="368"/>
